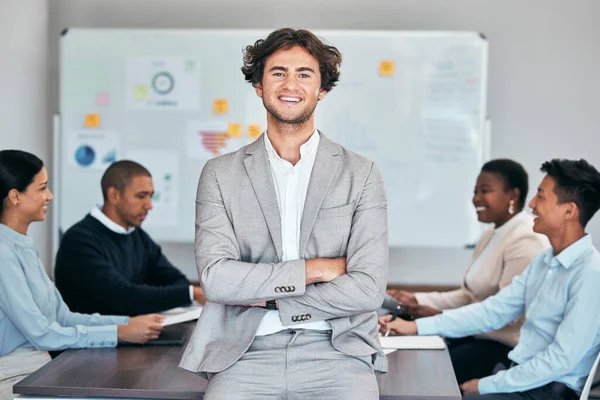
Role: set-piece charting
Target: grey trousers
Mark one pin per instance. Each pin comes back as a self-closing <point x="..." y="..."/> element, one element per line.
<point x="295" y="365"/>
<point x="16" y="366"/>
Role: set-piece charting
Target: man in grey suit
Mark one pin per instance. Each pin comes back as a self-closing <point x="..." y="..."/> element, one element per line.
<point x="291" y="246"/>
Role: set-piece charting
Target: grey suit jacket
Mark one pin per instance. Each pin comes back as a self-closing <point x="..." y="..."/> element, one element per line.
<point x="238" y="254"/>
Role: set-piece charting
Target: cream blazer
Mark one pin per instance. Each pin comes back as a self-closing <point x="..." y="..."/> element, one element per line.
<point x="519" y="246"/>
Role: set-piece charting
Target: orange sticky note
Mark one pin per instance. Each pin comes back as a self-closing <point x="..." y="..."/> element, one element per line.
<point x="92" y="120"/>
<point x="386" y="68"/>
<point x="254" y="131"/>
<point x="221" y="106"/>
<point x="234" y="130"/>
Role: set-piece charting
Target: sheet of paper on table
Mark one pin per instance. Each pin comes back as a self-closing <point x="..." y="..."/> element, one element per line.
<point x="412" y="342"/>
<point x="181" y="314"/>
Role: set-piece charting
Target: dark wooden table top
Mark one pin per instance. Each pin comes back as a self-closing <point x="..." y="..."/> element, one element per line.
<point x="151" y="372"/>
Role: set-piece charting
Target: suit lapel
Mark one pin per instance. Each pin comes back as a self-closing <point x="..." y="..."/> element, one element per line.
<point x="485" y="238"/>
<point x="324" y="170"/>
<point x="259" y="171"/>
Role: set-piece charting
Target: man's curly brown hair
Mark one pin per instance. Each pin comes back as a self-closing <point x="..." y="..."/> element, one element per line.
<point x="329" y="58"/>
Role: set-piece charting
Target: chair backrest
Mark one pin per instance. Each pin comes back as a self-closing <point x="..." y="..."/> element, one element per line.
<point x="588" y="382"/>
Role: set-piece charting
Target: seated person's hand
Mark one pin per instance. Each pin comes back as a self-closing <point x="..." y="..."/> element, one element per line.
<point x="199" y="295"/>
<point x="404" y="297"/>
<point x="470" y="387"/>
<point x="141" y="329"/>
<point x="397" y="326"/>
<point x="419" y="311"/>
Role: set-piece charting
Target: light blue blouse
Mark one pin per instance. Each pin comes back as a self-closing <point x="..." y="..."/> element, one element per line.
<point x="32" y="311"/>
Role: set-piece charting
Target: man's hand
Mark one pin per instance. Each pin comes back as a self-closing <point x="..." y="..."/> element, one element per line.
<point x="199" y="295"/>
<point x="470" y="388"/>
<point x="397" y="326"/>
<point x="324" y="269"/>
<point x="141" y="329"/>
<point x="404" y="297"/>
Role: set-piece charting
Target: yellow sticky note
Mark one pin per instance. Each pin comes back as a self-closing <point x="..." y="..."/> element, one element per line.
<point x="386" y="68"/>
<point x="254" y="131"/>
<point x="234" y="130"/>
<point x="221" y="106"/>
<point x="92" y="120"/>
<point x="140" y="92"/>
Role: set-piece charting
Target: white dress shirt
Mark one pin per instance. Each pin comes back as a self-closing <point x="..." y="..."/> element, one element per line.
<point x="113" y="226"/>
<point x="291" y="184"/>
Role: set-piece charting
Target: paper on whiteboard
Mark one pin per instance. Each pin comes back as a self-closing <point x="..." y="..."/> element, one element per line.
<point x="181" y="314"/>
<point x="206" y="139"/>
<point x="412" y="342"/>
<point x="164" y="168"/>
<point x="92" y="149"/>
<point x="163" y="84"/>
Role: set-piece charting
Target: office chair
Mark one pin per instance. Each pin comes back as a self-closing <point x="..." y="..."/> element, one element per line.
<point x="590" y="379"/>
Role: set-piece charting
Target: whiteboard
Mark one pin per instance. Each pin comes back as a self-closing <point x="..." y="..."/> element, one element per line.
<point x="413" y="102"/>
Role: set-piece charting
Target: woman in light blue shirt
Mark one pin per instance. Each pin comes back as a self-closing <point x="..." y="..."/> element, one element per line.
<point x="33" y="316"/>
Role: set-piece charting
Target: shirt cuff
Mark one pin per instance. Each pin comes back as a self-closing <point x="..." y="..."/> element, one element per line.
<point x="427" y="326"/>
<point x="102" y="336"/>
<point x="191" y="293"/>
<point x="486" y="385"/>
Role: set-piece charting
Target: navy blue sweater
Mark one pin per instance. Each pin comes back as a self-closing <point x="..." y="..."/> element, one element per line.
<point x="98" y="270"/>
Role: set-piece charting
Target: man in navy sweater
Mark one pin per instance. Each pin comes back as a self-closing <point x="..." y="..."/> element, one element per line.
<point x="107" y="264"/>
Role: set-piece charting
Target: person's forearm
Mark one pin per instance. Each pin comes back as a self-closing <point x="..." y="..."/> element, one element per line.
<point x="234" y="282"/>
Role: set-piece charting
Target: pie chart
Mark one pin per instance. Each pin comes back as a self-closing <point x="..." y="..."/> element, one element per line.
<point x="85" y="155"/>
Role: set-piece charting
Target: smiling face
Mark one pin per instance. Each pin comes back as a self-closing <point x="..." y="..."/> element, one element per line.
<point x="33" y="202"/>
<point x="491" y="199"/>
<point x="549" y="215"/>
<point x="291" y="86"/>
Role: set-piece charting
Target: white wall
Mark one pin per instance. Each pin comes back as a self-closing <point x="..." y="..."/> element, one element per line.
<point x="24" y="116"/>
<point x="543" y="79"/>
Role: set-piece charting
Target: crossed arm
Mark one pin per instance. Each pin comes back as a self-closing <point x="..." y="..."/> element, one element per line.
<point x="325" y="288"/>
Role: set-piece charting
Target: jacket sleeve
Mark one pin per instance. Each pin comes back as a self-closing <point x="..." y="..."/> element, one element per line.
<point x="444" y="300"/>
<point x="362" y="288"/>
<point x="223" y="277"/>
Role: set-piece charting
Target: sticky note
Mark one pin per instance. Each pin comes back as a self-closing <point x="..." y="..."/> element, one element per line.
<point x="254" y="131"/>
<point x="221" y="106"/>
<point x="92" y="120"/>
<point x="140" y="92"/>
<point x="234" y="130"/>
<point x="386" y="68"/>
<point x="103" y="99"/>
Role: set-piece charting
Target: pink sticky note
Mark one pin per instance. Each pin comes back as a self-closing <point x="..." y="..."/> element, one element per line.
<point x="103" y="99"/>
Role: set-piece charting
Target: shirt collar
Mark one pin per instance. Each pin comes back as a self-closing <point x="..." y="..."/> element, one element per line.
<point x="568" y="256"/>
<point x="109" y="223"/>
<point x="308" y="149"/>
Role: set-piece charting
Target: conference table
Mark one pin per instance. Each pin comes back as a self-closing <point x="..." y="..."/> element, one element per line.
<point x="151" y="372"/>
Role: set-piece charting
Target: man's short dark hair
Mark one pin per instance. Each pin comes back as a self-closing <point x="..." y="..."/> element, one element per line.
<point x="329" y="57"/>
<point x="577" y="182"/>
<point x="119" y="174"/>
<point x="513" y="174"/>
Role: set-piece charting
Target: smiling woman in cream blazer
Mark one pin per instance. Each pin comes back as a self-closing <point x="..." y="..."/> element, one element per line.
<point x="502" y="252"/>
